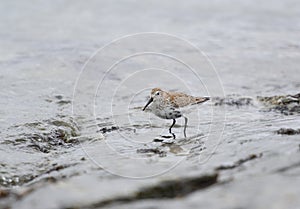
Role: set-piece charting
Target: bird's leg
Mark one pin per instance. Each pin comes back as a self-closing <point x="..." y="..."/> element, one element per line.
<point x="185" y="125"/>
<point x="170" y="129"/>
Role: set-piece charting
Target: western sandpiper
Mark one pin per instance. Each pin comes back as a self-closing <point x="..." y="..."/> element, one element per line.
<point x="172" y="105"/>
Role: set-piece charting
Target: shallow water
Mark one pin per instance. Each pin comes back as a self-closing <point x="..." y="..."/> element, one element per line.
<point x="74" y="129"/>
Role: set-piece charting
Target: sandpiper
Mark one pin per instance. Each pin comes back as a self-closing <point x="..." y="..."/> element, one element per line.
<point x="172" y="105"/>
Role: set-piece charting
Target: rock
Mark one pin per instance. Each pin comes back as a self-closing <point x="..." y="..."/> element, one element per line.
<point x="285" y="104"/>
<point x="233" y="100"/>
<point x="288" y="131"/>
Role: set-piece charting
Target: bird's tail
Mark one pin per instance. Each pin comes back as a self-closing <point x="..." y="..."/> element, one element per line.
<point x="201" y="99"/>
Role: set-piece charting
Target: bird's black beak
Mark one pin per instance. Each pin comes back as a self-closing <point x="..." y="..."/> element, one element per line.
<point x="149" y="102"/>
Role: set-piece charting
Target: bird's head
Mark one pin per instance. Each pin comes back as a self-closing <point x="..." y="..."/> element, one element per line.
<point x="156" y="95"/>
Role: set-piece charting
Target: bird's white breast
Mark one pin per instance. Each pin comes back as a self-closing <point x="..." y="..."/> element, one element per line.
<point x="165" y="111"/>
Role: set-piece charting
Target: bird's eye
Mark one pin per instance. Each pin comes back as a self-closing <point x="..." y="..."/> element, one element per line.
<point x="157" y="93"/>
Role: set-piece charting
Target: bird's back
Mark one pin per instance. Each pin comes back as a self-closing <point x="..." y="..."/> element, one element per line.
<point x="179" y="100"/>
